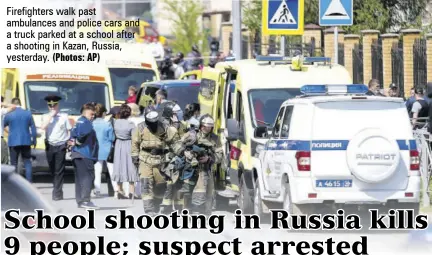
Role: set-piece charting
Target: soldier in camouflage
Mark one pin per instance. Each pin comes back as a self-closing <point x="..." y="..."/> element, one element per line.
<point x="150" y="141"/>
<point x="182" y="170"/>
<point x="170" y="120"/>
<point x="202" y="197"/>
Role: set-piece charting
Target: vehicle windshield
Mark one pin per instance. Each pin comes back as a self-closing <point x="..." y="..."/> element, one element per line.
<point x="74" y="94"/>
<point x="122" y="78"/>
<point x="265" y="104"/>
<point x="183" y="95"/>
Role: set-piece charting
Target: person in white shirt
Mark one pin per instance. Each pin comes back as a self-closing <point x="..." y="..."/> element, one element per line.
<point x="5" y="108"/>
<point x="56" y="126"/>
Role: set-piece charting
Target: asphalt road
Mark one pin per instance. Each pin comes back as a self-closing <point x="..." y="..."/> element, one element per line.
<point x="377" y="242"/>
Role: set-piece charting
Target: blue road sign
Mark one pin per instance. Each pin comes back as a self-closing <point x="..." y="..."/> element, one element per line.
<point x="283" y="17"/>
<point x="336" y="12"/>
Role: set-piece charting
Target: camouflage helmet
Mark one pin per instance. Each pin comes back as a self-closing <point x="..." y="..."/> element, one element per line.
<point x="206" y="120"/>
<point x="167" y="109"/>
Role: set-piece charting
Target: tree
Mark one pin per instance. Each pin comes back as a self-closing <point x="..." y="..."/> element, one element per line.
<point x="311" y="11"/>
<point x="184" y="16"/>
<point x="404" y="13"/>
<point x="251" y="17"/>
<point x="369" y="14"/>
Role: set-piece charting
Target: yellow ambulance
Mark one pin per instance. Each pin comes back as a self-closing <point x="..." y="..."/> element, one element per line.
<point x="76" y="84"/>
<point x="191" y="75"/>
<point x="132" y="66"/>
<point x="245" y="94"/>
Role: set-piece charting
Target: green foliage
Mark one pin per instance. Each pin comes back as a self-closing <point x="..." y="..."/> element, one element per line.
<point x="311" y="11"/>
<point x="404" y="13"/>
<point x="252" y="15"/>
<point x="369" y="14"/>
<point x="184" y="16"/>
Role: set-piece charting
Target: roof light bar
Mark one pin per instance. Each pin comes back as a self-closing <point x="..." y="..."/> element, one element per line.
<point x="272" y="58"/>
<point x="334" y="89"/>
<point x="282" y="58"/>
<point x="317" y="59"/>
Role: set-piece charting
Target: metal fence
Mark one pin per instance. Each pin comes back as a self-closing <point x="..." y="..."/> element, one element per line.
<point x="377" y="61"/>
<point x="419" y="63"/>
<point x="253" y="45"/>
<point x="358" y="63"/>
<point x="424" y="139"/>
<point x="245" y="44"/>
<point x="398" y="67"/>
<point x="341" y="54"/>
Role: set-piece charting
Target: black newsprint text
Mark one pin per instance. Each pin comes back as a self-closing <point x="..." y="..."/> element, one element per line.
<point x="199" y="225"/>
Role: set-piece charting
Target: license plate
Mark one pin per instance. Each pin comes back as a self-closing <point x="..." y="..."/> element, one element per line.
<point x="333" y="183"/>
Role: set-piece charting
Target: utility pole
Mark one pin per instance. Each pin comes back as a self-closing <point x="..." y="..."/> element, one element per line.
<point x="237" y="33"/>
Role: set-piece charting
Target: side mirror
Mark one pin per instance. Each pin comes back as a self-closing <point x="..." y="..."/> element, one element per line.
<point x="259" y="148"/>
<point x="261" y="132"/>
<point x="233" y="130"/>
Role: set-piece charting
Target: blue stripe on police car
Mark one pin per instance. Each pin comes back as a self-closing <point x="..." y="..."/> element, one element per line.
<point x="325" y="145"/>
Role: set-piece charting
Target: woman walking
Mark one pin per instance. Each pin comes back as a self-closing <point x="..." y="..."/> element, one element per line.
<point x="105" y="136"/>
<point x="124" y="169"/>
<point x="137" y="119"/>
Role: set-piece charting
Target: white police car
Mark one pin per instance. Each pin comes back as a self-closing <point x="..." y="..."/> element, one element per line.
<point x="335" y="146"/>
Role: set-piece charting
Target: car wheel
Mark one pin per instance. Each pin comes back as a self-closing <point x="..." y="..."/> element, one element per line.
<point x="289" y="206"/>
<point x="244" y="200"/>
<point x="258" y="208"/>
<point x="222" y="203"/>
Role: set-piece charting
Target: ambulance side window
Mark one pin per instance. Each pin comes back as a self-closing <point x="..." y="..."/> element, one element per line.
<point x="278" y="124"/>
<point x="240" y="113"/>
<point x="286" y="122"/>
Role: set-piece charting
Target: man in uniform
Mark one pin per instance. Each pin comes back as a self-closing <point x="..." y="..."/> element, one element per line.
<point x="56" y="126"/>
<point x="170" y="120"/>
<point x="202" y="197"/>
<point x="149" y="142"/>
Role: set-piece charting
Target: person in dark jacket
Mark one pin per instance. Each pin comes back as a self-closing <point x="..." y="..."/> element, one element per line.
<point x="84" y="156"/>
<point x="374" y="88"/>
<point x="22" y="135"/>
<point x="420" y="109"/>
<point x="429" y="95"/>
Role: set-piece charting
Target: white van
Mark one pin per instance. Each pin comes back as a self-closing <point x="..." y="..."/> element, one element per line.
<point x="339" y="150"/>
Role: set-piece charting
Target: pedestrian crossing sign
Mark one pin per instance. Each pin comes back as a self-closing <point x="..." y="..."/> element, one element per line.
<point x="282" y="17"/>
<point x="336" y="12"/>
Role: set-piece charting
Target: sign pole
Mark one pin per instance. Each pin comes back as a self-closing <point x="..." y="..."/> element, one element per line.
<point x="237" y="33"/>
<point x="282" y="45"/>
<point x="336" y="45"/>
<point x="336" y="13"/>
